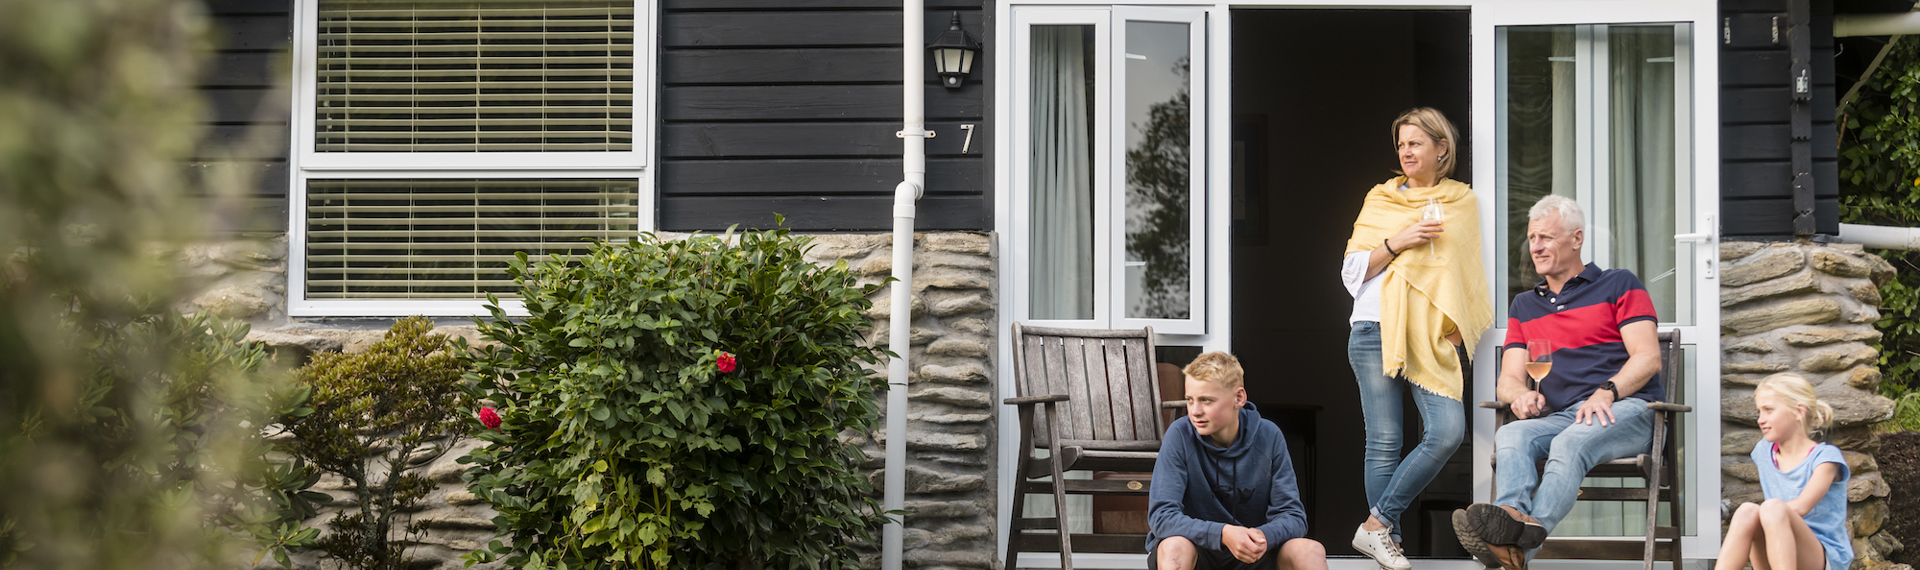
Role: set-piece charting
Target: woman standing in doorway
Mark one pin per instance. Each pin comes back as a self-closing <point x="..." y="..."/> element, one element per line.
<point x="1419" y="305"/>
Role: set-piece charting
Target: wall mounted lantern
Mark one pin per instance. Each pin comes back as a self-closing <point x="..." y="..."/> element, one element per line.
<point x="953" y="52"/>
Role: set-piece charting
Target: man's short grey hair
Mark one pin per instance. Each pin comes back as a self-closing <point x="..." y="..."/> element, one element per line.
<point x="1571" y="218"/>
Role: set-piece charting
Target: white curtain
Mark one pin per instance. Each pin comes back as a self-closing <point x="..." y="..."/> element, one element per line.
<point x="1061" y="180"/>
<point x="1641" y="128"/>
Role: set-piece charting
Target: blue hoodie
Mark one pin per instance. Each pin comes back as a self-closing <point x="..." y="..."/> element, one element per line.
<point x="1199" y="488"/>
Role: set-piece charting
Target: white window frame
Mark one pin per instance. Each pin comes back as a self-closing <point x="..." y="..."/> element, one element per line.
<point x="1109" y="173"/>
<point x="306" y="163"/>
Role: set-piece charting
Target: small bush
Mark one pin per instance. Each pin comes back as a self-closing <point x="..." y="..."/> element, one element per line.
<point x="674" y="404"/>
<point x="377" y="415"/>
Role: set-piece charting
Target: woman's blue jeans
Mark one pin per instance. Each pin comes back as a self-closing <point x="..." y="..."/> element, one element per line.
<point x="1393" y="482"/>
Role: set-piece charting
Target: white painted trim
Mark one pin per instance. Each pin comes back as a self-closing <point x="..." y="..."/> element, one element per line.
<point x="304" y="164"/>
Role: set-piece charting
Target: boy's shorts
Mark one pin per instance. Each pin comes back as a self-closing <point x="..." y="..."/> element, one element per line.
<point x="1224" y="560"/>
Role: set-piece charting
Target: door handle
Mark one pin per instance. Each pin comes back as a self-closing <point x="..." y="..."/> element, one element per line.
<point x="1698" y="237"/>
<point x="1707" y="238"/>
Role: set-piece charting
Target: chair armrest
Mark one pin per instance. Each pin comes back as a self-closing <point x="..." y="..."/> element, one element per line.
<point x="1030" y="400"/>
<point x="1173" y="404"/>
<point x="1669" y="407"/>
<point x="1501" y="406"/>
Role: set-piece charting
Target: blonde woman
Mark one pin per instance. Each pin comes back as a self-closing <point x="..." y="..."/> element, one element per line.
<point x="1419" y="305"/>
<point x="1803" y="523"/>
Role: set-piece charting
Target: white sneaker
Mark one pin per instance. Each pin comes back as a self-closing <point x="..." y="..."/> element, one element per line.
<point x="1379" y="545"/>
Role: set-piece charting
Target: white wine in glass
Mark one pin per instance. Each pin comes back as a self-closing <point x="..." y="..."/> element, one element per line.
<point x="1436" y="211"/>
<point x="1539" y="358"/>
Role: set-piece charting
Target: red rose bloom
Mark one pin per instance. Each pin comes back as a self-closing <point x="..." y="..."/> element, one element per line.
<point x="489" y="418"/>
<point x="725" y="363"/>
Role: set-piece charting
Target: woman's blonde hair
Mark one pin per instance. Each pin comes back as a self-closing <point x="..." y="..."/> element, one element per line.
<point x="1437" y="128"/>
<point x="1797" y="391"/>
<point x="1217" y="368"/>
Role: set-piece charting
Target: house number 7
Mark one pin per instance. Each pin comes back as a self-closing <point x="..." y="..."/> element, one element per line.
<point x="969" y="142"/>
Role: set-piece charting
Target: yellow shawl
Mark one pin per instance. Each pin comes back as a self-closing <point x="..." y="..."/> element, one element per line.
<point x="1424" y="299"/>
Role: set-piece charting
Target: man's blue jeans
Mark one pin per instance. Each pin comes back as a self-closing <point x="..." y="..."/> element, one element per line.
<point x="1393" y="482"/>
<point x="1570" y="450"/>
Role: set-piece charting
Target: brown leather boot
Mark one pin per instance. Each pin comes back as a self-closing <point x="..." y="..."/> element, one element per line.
<point x="1504" y="525"/>
<point x="1469" y="536"/>
<point x="1510" y="557"/>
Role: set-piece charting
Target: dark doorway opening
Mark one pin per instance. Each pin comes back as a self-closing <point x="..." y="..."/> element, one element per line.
<point x="1314" y="92"/>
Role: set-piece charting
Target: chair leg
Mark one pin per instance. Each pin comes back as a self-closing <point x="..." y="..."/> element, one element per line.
<point x="1019" y="504"/>
<point x="1653" y="492"/>
<point x="1059" y="491"/>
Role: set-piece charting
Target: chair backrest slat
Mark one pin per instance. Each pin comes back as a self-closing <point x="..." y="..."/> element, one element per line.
<point x="1146" y="389"/>
<point x="1119" y="394"/>
<point x="1080" y="425"/>
<point x="1099" y="402"/>
<point x="1107" y="375"/>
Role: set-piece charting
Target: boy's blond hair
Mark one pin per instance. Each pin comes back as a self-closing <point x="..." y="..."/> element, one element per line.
<point x="1217" y="368"/>
<point x="1799" y="392"/>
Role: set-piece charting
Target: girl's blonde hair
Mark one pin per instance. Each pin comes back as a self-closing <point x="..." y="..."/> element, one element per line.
<point x="1797" y="391"/>
<point x="1437" y="128"/>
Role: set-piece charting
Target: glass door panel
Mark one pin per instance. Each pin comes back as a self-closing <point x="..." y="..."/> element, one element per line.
<point x="1160" y="91"/>
<point x="1061" y="172"/>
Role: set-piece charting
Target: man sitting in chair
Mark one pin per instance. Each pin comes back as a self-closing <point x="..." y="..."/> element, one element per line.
<point x="1223" y="489"/>
<point x="1590" y="408"/>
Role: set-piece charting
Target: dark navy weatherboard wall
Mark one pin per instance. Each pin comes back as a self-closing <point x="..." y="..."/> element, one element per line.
<point x="790" y="107"/>
<point x="247" y="115"/>
<point x="1756" y="179"/>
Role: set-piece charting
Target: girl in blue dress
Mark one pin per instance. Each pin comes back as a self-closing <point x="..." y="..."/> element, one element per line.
<point x="1803" y="523"/>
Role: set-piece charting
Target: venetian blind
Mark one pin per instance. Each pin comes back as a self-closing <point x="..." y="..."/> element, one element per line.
<point x="474" y="76"/>
<point x="451" y="239"/>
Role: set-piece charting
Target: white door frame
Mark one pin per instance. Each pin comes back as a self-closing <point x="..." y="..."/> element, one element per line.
<point x="1486" y="15"/>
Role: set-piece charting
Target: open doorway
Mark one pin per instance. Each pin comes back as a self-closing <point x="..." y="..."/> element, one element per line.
<point x="1314" y="92"/>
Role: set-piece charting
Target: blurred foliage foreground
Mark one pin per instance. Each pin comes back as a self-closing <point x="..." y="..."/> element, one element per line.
<point x="130" y="436"/>
<point x="1880" y="185"/>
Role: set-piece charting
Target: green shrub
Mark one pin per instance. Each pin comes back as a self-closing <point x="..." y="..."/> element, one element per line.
<point x="173" y="406"/>
<point x="372" y="412"/>
<point x="626" y="442"/>
<point x="1880" y="184"/>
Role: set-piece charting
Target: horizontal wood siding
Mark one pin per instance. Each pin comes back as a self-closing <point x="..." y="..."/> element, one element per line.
<point x="1756" y="182"/>
<point x="245" y="139"/>
<point x="790" y="107"/>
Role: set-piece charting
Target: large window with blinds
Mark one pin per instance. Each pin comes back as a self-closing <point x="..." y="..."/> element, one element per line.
<point x="438" y="138"/>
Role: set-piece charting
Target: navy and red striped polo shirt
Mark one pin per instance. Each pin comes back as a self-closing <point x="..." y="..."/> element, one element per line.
<point x="1583" y="320"/>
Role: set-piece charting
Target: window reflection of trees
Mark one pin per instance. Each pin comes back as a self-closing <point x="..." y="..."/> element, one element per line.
<point x="1158" y="214"/>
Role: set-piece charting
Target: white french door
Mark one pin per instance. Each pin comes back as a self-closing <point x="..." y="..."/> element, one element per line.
<point x="1600" y="102"/>
<point x="1109" y="167"/>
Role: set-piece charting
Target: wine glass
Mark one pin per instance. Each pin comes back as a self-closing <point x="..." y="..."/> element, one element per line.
<point x="1434" y="210"/>
<point x="1539" y="359"/>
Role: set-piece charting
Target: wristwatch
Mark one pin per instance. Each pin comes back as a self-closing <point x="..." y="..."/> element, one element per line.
<point x="1608" y="386"/>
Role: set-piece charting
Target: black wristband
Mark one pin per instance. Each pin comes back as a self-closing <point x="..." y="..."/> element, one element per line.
<point x="1389" y="247"/>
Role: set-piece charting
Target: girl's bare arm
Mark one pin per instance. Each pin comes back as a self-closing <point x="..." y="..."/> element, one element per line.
<point x="1817" y="484"/>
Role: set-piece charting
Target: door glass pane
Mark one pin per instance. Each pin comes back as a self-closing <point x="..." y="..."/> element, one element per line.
<point x="1061" y="173"/>
<point x="1540" y="134"/>
<point x="1640" y="123"/>
<point x="1159" y="188"/>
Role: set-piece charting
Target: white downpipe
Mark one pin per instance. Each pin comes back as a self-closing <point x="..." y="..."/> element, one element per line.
<point x="1881" y="237"/>
<point x="900" y="314"/>
<point x="1856" y="25"/>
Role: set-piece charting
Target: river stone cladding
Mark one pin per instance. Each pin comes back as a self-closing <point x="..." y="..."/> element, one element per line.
<point x="951" y="439"/>
<point x="1809" y="309"/>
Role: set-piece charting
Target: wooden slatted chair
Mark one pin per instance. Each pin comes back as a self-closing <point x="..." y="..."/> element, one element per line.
<point x="1660" y="468"/>
<point x="1090" y="398"/>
